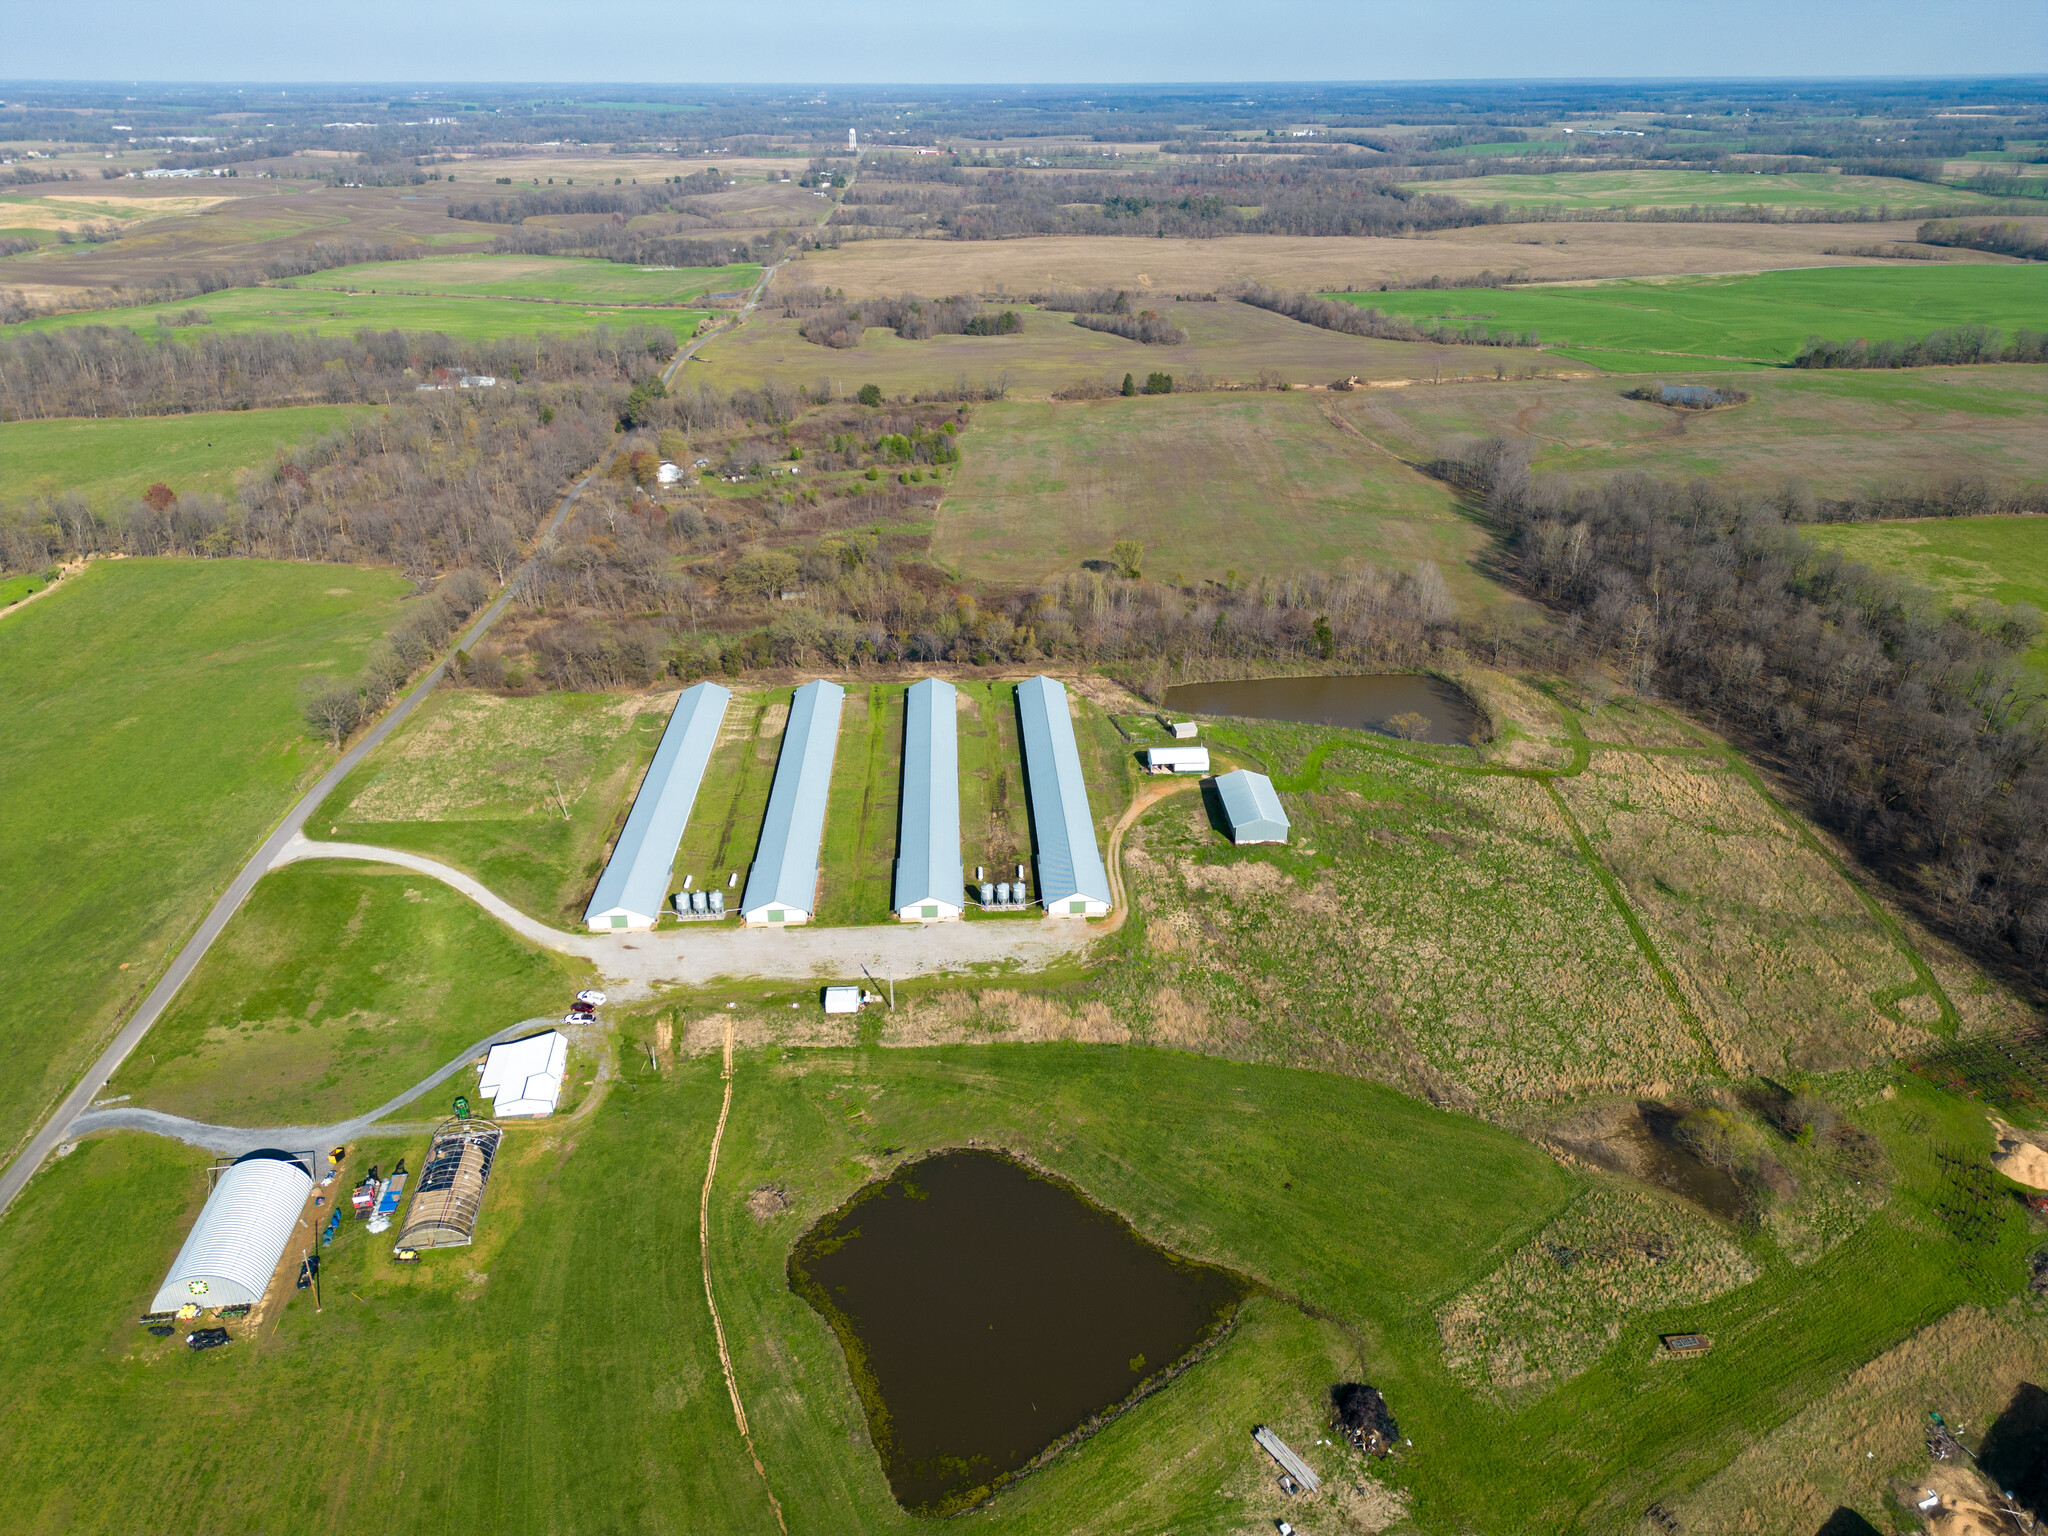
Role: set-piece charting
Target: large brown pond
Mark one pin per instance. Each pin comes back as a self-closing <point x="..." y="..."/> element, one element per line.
<point x="1371" y="703"/>
<point x="988" y="1311"/>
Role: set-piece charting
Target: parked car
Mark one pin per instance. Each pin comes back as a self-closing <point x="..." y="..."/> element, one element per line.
<point x="206" y="1338"/>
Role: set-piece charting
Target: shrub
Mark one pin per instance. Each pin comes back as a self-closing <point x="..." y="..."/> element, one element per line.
<point x="1158" y="383"/>
<point x="870" y="394"/>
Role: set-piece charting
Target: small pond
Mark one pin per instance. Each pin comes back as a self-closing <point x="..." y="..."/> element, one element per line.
<point x="987" y="1311"/>
<point x="1363" y="703"/>
<point x="1652" y="1134"/>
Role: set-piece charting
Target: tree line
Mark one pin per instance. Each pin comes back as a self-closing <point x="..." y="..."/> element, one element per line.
<point x="1911" y="729"/>
<point x="1954" y="346"/>
<point x="1356" y="320"/>
<point x="100" y="370"/>
<point x="2004" y="238"/>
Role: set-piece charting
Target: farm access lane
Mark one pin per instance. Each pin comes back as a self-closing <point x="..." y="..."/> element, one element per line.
<point x="234" y="1140"/>
<point x="74" y="1103"/>
<point x="668" y="374"/>
<point x="637" y="965"/>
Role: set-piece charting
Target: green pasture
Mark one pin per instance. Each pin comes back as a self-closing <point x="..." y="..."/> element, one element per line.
<point x="526" y="794"/>
<point x="1966" y="559"/>
<point x="1229" y="342"/>
<point x="857" y="864"/>
<point x="1838" y="432"/>
<point x="1208" y="484"/>
<point x="1682" y="189"/>
<point x="1362" y="1211"/>
<point x="153" y="738"/>
<point x="280" y="308"/>
<point x="107" y="458"/>
<point x="1762" y="317"/>
<point x="338" y="986"/>
<point x="570" y="280"/>
<point x="14" y="588"/>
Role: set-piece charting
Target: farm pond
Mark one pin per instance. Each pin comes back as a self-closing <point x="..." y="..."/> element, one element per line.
<point x="1391" y="703"/>
<point x="989" y="1311"/>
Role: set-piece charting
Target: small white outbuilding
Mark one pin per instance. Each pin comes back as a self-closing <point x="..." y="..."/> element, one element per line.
<point x="842" y="999"/>
<point x="524" y="1077"/>
<point x="1177" y="759"/>
<point x="669" y="474"/>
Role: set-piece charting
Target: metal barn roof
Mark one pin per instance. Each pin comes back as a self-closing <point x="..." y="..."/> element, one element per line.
<point x="234" y="1247"/>
<point x="928" y="851"/>
<point x="1069" y="864"/>
<point x="785" y="870"/>
<point x="635" y="880"/>
<point x="1252" y="806"/>
<point x="525" y="1076"/>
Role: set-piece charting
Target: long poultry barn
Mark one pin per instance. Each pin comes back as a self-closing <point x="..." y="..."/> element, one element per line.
<point x="1071" y="879"/>
<point x="782" y="885"/>
<point x="234" y="1246"/>
<point x="930" y="884"/>
<point x="634" y="886"/>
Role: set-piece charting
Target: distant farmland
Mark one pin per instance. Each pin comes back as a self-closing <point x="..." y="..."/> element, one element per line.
<point x="1681" y="189"/>
<point x="106" y="458"/>
<point x="281" y="308"/>
<point x="1764" y="317"/>
<point x="559" y="279"/>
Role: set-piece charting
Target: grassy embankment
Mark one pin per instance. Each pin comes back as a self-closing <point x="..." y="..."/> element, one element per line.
<point x="1259" y="484"/>
<point x="105" y="459"/>
<point x="1683" y="189"/>
<point x="1762" y="318"/>
<point x="483" y="783"/>
<point x="153" y="737"/>
<point x="1371" y="1208"/>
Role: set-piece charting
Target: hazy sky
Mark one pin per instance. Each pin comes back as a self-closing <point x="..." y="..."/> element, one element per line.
<point x="961" y="41"/>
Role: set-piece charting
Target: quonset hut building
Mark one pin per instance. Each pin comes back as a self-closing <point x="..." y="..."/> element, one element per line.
<point x="929" y="883"/>
<point x="782" y="886"/>
<point x="233" y="1249"/>
<point x="634" y="886"/>
<point x="1071" y="879"/>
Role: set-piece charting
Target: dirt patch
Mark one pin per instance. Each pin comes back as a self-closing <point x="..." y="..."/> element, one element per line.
<point x="768" y="1202"/>
<point x="1022" y="1017"/>
<point x="2017" y="1157"/>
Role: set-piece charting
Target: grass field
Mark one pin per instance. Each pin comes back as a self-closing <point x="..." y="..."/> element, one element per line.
<point x="153" y="736"/>
<point x="1232" y="342"/>
<point x="1963" y="558"/>
<point x="289" y="1021"/>
<point x="280" y="308"/>
<point x="1682" y="189"/>
<point x="1310" y="1183"/>
<point x="1759" y="318"/>
<point x="108" y="458"/>
<point x="559" y="279"/>
<point x="1838" y="432"/>
<point x="524" y="793"/>
<point x="1255" y="483"/>
<point x="1630" y="908"/>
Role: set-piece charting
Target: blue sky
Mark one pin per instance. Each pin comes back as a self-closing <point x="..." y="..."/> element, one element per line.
<point x="961" y="41"/>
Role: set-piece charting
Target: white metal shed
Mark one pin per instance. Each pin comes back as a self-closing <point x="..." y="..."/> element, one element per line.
<point x="1177" y="759"/>
<point x="233" y="1248"/>
<point x="525" y="1076"/>
<point x="1252" y="807"/>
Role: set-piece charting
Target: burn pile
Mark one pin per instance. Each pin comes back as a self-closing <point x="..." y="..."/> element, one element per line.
<point x="1362" y="1416"/>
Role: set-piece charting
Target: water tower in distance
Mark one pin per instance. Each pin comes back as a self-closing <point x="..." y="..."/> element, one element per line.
<point x="850" y="144"/>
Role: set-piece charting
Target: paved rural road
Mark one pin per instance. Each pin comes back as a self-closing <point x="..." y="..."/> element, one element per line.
<point x="55" y="1128"/>
<point x="635" y="965"/>
<point x="234" y="1140"/>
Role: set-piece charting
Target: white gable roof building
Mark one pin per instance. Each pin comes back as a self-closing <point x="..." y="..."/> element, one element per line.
<point x="525" y="1076"/>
